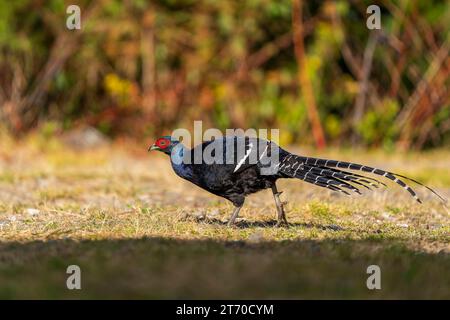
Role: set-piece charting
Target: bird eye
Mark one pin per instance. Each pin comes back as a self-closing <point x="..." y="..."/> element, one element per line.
<point x="163" y="143"/>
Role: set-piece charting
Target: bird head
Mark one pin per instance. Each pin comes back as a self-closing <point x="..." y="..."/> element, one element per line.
<point x="164" y="144"/>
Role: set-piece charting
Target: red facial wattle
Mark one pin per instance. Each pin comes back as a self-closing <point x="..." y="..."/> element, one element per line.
<point x="162" y="143"/>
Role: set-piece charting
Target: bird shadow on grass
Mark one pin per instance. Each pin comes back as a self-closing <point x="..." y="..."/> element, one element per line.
<point x="243" y="224"/>
<point x="168" y="268"/>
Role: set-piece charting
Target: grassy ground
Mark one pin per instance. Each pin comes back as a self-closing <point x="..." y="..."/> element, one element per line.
<point x="138" y="231"/>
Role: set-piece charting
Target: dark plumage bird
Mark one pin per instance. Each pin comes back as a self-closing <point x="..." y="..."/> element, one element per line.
<point x="233" y="167"/>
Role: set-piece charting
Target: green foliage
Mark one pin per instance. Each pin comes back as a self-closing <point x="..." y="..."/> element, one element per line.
<point x="142" y="67"/>
<point x="377" y="127"/>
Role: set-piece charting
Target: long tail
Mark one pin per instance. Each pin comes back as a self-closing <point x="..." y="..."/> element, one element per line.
<point x="324" y="173"/>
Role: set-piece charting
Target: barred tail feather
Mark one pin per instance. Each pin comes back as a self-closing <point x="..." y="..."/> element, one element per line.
<point x="363" y="178"/>
<point x="421" y="184"/>
<point x="357" y="179"/>
<point x="331" y="187"/>
<point x="332" y="182"/>
<point x="326" y="173"/>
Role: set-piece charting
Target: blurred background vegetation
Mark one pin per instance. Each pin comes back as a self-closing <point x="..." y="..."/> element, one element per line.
<point x="311" y="68"/>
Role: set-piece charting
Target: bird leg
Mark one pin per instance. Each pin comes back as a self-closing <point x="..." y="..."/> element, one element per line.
<point x="280" y="209"/>
<point x="234" y="215"/>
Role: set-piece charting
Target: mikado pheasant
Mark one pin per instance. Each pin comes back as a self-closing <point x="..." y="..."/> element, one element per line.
<point x="233" y="167"/>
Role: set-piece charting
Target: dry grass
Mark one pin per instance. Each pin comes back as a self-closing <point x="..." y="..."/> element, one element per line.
<point x="138" y="231"/>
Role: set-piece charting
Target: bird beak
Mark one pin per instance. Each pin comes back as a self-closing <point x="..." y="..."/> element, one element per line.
<point x="153" y="147"/>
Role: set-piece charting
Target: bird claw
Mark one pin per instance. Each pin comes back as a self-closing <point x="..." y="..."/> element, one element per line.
<point x="231" y="224"/>
<point x="280" y="224"/>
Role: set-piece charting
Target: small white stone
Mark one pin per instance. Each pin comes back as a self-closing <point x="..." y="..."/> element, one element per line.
<point x="32" y="211"/>
<point x="386" y="216"/>
<point x="214" y="212"/>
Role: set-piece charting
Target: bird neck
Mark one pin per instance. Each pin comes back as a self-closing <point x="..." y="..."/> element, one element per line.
<point x="177" y="157"/>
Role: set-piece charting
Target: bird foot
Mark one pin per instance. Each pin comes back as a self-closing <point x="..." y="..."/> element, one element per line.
<point x="231" y="223"/>
<point x="282" y="223"/>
